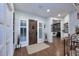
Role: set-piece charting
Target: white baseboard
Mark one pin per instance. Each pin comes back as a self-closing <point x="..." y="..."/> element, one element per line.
<point x="22" y="45"/>
<point x="50" y="41"/>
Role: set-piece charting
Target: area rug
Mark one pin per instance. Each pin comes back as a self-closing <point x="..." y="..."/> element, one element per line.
<point x="36" y="48"/>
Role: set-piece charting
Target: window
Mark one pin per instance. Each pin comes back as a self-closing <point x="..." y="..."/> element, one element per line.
<point x="23" y="31"/>
<point x="40" y="30"/>
<point x="23" y="23"/>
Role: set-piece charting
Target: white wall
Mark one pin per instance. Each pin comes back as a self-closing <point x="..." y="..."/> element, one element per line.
<point x="48" y="29"/>
<point x="73" y="22"/>
<point x="25" y="16"/>
<point x="63" y="21"/>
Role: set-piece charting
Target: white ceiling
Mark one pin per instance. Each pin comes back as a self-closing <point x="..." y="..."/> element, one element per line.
<point x="39" y="9"/>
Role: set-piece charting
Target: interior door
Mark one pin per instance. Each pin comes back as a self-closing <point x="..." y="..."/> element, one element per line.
<point x="32" y="32"/>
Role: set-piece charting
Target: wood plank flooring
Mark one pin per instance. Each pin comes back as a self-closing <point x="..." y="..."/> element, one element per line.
<point x="56" y="49"/>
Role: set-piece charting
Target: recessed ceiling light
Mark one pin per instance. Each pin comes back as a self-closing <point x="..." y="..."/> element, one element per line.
<point x="59" y="15"/>
<point x="48" y="10"/>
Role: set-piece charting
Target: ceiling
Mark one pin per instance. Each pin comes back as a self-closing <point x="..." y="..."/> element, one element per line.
<point x="39" y="9"/>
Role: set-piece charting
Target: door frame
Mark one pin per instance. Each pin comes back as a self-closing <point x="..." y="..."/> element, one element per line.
<point x="60" y="27"/>
<point x="28" y="31"/>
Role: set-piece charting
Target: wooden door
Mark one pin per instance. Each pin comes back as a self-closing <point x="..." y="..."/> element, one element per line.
<point x="32" y="32"/>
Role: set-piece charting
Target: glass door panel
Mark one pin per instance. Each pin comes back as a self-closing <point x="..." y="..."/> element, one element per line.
<point x="23" y="31"/>
<point x="40" y="30"/>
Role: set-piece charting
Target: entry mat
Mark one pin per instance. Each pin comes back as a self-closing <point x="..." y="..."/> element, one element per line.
<point x="36" y="47"/>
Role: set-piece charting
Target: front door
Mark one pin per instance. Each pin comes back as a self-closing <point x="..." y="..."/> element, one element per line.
<point x="32" y="32"/>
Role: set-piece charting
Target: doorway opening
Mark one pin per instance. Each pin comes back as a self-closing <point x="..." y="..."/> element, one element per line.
<point x="32" y="31"/>
<point x="56" y="29"/>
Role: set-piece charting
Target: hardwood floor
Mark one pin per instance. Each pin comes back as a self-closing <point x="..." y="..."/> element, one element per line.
<point x="56" y="49"/>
